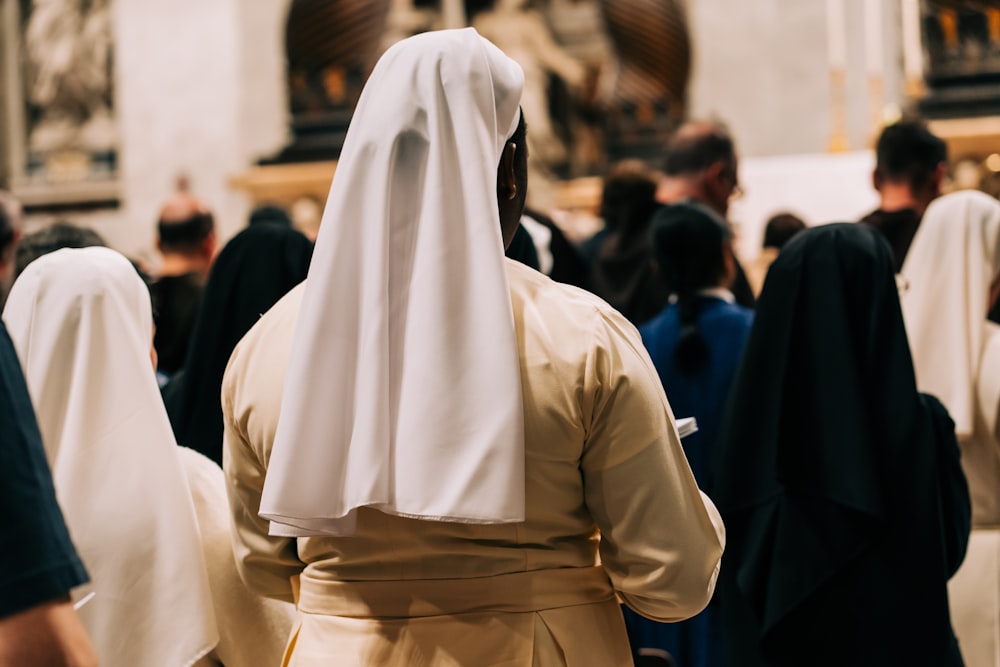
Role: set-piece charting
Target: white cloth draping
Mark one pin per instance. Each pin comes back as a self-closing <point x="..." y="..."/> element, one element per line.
<point x="947" y="274"/>
<point x="403" y="388"/>
<point x="81" y="321"/>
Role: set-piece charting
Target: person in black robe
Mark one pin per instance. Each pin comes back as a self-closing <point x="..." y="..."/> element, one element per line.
<point x="186" y="241"/>
<point x="845" y="506"/>
<point x="38" y="563"/>
<point x="255" y="269"/>
<point x="910" y="165"/>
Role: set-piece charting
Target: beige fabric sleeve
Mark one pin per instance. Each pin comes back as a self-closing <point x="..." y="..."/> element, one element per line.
<point x="265" y="563"/>
<point x="661" y="538"/>
<point x="988" y="380"/>
<point x="252" y="630"/>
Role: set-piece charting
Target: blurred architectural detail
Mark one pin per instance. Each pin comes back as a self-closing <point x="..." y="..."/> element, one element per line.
<point x="524" y="35"/>
<point x="649" y="96"/>
<point x="299" y="188"/>
<point x="331" y="47"/>
<point x="61" y="136"/>
<point x="961" y="41"/>
<point x="67" y="48"/>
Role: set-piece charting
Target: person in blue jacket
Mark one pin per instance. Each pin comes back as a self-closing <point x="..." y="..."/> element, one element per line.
<point x="695" y="343"/>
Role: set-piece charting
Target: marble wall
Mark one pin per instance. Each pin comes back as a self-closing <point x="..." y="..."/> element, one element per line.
<point x="762" y="67"/>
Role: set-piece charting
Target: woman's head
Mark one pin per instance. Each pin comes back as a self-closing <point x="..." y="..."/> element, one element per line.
<point x="82" y="324"/>
<point x="691" y="245"/>
<point x="693" y="248"/>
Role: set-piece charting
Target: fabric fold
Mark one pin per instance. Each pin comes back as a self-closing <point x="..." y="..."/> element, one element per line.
<point x="403" y="389"/>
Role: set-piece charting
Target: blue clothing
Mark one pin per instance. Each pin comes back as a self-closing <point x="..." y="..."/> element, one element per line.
<point x="38" y="563"/>
<point x="725" y="328"/>
<point x="702" y="395"/>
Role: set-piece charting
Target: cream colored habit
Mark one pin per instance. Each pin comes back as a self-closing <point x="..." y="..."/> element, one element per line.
<point x="454" y="428"/>
<point x="82" y="324"/>
<point x="956" y="355"/>
<point x="601" y="454"/>
<point x="252" y="630"/>
<point x="148" y="517"/>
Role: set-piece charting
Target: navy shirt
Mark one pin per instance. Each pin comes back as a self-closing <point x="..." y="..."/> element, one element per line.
<point x="37" y="560"/>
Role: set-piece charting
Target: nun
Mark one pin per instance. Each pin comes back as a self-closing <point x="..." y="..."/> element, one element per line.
<point x="255" y="269"/>
<point x="444" y="456"/>
<point x="949" y="276"/>
<point x="844" y="499"/>
<point x="147" y="517"/>
<point x="695" y="344"/>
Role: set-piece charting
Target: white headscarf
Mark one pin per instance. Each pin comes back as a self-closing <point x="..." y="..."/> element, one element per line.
<point x="947" y="274"/>
<point x="82" y="325"/>
<point x="403" y="389"/>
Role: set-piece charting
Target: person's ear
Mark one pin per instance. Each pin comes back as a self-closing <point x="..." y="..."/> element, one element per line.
<point x="719" y="183"/>
<point x="715" y="175"/>
<point x="938" y="177"/>
<point x="728" y="264"/>
<point x="876" y="181"/>
<point x="506" y="181"/>
<point x="208" y="246"/>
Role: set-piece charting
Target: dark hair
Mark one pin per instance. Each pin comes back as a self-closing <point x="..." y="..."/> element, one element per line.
<point x="629" y="196"/>
<point x="781" y="228"/>
<point x="696" y="147"/>
<point x="908" y="153"/>
<point x="689" y="243"/>
<point x="185" y="235"/>
<point x="56" y="236"/>
<point x="269" y="214"/>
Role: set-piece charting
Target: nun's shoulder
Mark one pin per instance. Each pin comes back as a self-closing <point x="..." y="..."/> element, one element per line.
<point x="529" y="285"/>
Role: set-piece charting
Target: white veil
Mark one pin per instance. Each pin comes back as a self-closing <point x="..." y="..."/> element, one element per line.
<point x="947" y="272"/>
<point x="82" y="325"/>
<point x="403" y="389"/>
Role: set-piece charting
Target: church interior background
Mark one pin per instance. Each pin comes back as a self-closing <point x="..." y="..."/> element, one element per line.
<point x="106" y="104"/>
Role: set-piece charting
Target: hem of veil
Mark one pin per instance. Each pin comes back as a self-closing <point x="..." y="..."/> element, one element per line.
<point x="202" y="652"/>
<point x="291" y="526"/>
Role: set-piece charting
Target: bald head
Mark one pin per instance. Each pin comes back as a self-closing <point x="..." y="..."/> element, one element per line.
<point x="700" y="164"/>
<point x="186" y="231"/>
<point x="696" y="146"/>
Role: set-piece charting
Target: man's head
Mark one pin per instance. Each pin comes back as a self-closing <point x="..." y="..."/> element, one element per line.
<point x="186" y="234"/>
<point x="512" y="181"/>
<point x="700" y="164"/>
<point x="910" y="164"/>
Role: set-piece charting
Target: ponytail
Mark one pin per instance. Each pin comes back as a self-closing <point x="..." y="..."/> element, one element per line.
<point x="689" y="243"/>
<point x="691" y="353"/>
